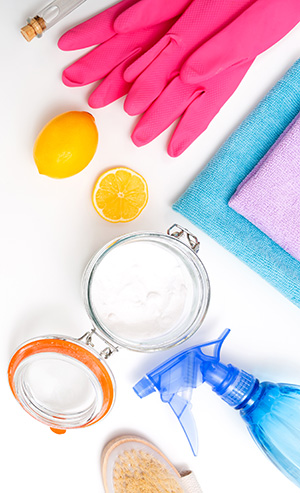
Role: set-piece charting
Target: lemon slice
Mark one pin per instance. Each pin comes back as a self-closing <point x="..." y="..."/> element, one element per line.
<point x="120" y="195"/>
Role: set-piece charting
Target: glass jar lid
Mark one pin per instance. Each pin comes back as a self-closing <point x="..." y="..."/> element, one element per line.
<point x="61" y="382"/>
<point x="146" y="291"/>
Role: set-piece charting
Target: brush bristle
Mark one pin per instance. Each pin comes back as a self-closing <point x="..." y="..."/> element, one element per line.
<point x="136" y="471"/>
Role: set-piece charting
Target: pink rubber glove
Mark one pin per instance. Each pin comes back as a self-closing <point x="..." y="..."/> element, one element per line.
<point x="196" y="104"/>
<point x="152" y="71"/>
<point x="196" y="101"/>
<point x="254" y="31"/>
<point x="115" y="51"/>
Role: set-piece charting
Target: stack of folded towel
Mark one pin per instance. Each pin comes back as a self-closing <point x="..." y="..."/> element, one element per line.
<point x="269" y="245"/>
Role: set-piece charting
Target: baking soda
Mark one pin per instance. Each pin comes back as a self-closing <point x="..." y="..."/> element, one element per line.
<point x="141" y="290"/>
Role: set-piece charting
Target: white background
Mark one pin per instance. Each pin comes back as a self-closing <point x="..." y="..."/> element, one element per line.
<point x="49" y="232"/>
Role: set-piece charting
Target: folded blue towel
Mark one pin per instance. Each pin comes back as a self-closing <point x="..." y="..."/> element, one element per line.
<point x="205" y="202"/>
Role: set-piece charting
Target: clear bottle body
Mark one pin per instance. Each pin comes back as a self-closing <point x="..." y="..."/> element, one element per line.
<point x="48" y="17"/>
<point x="56" y="10"/>
<point x="272" y="415"/>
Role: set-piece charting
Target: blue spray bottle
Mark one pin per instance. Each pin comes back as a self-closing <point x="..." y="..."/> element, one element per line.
<point x="271" y="411"/>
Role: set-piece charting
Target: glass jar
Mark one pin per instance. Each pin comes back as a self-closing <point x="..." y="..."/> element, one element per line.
<point x="144" y="291"/>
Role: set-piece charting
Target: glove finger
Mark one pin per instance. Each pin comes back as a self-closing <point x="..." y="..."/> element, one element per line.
<point x="193" y="122"/>
<point x="110" y="89"/>
<point x="255" y="30"/>
<point x="104" y="58"/>
<point x="101" y="60"/>
<point x="94" y="31"/>
<point x="172" y="102"/>
<point x="202" y="110"/>
<point x="149" y="85"/>
<point x="136" y="68"/>
<point x="146" y="13"/>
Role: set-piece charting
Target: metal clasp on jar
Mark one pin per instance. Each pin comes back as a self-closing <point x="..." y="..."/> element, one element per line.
<point x="106" y="352"/>
<point x="180" y="232"/>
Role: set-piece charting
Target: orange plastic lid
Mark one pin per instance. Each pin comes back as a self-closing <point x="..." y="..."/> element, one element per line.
<point x="70" y="351"/>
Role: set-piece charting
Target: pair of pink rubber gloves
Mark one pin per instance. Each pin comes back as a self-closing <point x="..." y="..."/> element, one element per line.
<point x="174" y="58"/>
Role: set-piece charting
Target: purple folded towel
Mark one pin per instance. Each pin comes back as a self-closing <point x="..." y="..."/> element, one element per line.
<point x="269" y="196"/>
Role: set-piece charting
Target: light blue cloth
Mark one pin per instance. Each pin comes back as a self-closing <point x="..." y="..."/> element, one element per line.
<point x="205" y="202"/>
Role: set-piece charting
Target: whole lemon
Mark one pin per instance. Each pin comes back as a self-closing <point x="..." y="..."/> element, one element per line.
<point x="66" y="145"/>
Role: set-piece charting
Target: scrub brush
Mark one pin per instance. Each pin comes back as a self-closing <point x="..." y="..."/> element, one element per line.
<point x="131" y="464"/>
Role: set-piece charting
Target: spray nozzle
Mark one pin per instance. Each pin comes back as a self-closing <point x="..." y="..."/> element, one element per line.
<point x="176" y="378"/>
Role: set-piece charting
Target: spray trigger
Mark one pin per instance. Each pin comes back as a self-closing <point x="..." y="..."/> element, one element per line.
<point x="176" y="378"/>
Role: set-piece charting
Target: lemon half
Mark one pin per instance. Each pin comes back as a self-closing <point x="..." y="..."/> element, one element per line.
<point x="120" y="195"/>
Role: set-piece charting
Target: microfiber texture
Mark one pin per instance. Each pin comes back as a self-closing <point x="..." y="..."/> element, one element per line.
<point x="205" y="202"/>
<point x="269" y="196"/>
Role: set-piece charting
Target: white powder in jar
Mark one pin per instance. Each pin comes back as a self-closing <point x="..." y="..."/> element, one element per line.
<point x="141" y="290"/>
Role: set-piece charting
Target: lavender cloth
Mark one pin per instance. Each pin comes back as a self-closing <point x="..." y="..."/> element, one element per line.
<point x="269" y="196"/>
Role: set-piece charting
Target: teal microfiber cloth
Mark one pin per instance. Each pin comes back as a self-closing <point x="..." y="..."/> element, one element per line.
<point x="205" y="202"/>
